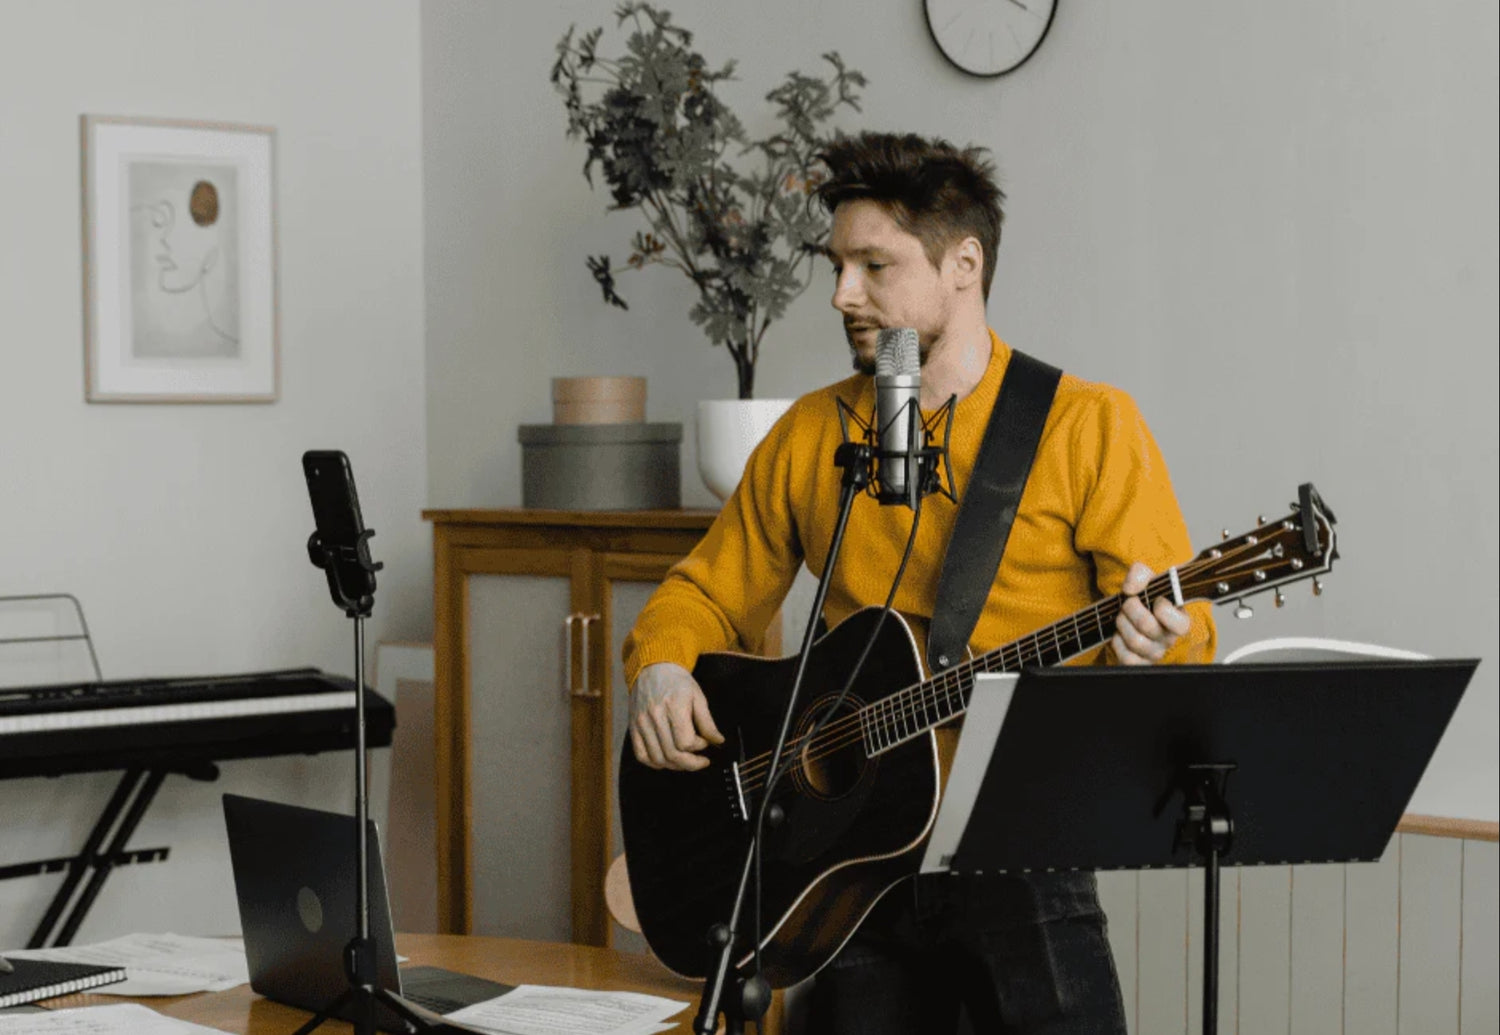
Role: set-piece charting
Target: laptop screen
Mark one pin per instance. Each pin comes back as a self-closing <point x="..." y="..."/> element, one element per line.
<point x="294" y="877"/>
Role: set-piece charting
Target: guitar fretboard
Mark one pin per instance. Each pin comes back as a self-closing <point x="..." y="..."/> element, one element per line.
<point x="909" y="713"/>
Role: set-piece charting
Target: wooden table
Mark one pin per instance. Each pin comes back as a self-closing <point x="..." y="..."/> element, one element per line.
<point x="510" y="960"/>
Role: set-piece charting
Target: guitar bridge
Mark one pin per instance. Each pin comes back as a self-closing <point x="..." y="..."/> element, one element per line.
<point x="737" y="806"/>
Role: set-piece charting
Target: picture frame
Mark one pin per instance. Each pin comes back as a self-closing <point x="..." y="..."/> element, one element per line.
<point x="179" y="261"/>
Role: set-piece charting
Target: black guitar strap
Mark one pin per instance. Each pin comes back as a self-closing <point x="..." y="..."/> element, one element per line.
<point x="989" y="506"/>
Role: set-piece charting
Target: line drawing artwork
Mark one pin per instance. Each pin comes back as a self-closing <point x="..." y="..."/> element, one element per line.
<point x="183" y="260"/>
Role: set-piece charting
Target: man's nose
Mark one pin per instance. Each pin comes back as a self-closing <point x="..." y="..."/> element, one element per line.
<point x="848" y="292"/>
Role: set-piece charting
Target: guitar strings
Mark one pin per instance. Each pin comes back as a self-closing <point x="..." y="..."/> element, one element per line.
<point x="945" y="683"/>
<point x="838" y="735"/>
<point x="848" y="731"/>
<point x="952" y="679"/>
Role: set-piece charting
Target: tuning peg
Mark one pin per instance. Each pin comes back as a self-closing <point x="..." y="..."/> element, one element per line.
<point x="1224" y="533"/>
<point x="1317" y="587"/>
<point x="1244" y="610"/>
<point x="1280" y="600"/>
<point x="1260" y="519"/>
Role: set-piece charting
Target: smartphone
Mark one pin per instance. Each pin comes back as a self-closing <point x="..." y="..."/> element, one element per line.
<point x="344" y="540"/>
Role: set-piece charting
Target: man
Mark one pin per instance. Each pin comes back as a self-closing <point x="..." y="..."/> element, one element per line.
<point x="916" y="225"/>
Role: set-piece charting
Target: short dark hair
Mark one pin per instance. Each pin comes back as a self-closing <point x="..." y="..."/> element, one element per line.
<point x="936" y="192"/>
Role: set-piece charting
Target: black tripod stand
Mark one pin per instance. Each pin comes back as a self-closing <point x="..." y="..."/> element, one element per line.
<point x="341" y="547"/>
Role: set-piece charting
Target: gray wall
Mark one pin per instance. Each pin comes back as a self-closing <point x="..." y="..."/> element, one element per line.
<point x="182" y="528"/>
<point x="1275" y="226"/>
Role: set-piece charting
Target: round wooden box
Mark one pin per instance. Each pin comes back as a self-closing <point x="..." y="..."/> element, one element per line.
<point x="598" y="400"/>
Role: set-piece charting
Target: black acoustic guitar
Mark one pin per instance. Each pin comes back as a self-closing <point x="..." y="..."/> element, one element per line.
<point x="858" y="798"/>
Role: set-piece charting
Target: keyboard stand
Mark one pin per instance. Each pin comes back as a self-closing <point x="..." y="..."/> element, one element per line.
<point x="133" y="796"/>
<point x="136" y="789"/>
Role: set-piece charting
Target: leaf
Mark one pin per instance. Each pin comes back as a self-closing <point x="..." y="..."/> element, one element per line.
<point x="599" y="267"/>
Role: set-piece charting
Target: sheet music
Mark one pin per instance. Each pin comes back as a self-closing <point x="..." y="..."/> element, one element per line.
<point x="985" y="715"/>
<point x="158" y="964"/>
<point x="122" y="1019"/>
<point x="547" y="1010"/>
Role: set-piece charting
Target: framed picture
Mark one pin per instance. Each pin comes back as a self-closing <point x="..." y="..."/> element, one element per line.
<point x="179" y="261"/>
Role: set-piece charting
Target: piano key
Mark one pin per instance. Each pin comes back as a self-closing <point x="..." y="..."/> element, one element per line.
<point x="153" y="713"/>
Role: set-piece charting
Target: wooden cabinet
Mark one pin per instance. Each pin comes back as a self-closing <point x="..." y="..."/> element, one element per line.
<point x="531" y="608"/>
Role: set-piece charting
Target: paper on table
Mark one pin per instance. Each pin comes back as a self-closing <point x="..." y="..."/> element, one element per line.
<point x="546" y="1010"/>
<point x="123" y="1019"/>
<point x="158" y="964"/>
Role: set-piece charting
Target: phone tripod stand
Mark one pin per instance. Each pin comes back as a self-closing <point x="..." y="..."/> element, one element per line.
<point x="340" y="547"/>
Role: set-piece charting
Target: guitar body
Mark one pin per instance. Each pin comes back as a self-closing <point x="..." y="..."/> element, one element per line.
<point x="852" y="825"/>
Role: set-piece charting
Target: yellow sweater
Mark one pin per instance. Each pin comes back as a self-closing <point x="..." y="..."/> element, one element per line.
<point x="1098" y="498"/>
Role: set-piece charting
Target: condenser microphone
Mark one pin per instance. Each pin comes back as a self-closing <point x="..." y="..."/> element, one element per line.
<point x="898" y="419"/>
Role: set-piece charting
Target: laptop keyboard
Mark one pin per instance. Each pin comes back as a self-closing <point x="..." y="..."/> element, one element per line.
<point x="435" y="1003"/>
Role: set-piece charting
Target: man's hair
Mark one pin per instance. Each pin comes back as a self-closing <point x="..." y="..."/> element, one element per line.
<point x="936" y="192"/>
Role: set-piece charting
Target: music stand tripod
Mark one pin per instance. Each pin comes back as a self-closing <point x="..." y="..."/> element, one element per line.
<point x="1130" y="768"/>
<point x="341" y="547"/>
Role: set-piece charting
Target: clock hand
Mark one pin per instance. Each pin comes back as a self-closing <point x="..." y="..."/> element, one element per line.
<point x="1020" y="5"/>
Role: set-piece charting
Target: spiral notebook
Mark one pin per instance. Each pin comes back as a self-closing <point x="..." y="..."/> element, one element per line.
<point x="34" y="980"/>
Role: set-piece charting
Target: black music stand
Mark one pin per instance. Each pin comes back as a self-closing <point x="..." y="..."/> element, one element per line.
<point x="1116" y="768"/>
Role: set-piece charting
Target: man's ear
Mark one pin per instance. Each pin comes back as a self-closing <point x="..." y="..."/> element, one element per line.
<point x="967" y="258"/>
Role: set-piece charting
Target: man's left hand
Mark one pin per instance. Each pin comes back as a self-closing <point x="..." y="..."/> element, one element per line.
<point x="1142" y="637"/>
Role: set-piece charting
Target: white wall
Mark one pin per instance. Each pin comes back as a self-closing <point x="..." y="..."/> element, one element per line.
<point x="1275" y="225"/>
<point x="182" y="528"/>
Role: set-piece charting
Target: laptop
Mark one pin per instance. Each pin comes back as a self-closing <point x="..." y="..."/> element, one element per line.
<point x="294" y="877"/>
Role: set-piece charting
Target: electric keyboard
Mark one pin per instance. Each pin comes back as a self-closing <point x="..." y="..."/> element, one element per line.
<point x="181" y="722"/>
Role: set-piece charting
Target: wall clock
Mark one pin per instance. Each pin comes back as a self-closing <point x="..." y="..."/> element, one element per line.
<point x="988" y="37"/>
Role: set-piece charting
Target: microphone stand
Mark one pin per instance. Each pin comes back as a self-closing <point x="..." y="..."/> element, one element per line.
<point x="754" y="993"/>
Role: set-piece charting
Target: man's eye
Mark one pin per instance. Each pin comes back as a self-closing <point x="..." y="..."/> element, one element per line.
<point x="875" y="267"/>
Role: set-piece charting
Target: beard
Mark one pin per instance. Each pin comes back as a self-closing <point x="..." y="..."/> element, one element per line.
<point x="866" y="366"/>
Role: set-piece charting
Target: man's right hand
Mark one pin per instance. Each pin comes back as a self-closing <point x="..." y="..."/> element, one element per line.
<point x="669" y="720"/>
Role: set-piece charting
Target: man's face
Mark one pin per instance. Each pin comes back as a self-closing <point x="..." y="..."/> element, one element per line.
<point x="884" y="279"/>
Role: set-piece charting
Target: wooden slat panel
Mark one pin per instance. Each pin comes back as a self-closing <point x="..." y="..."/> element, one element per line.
<point x="1161" y="1002"/>
<point x="1118" y="894"/>
<point x="1442" y="826"/>
<point x="508" y="517"/>
<point x="1265" y="950"/>
<point x="588" y="754"/>
<point x="1229" y="950"/>
<point x="450" y="719"/>
<point x="1317" y="961"/>
<point x="1372" y="893"/>
<point x="1192" y="961"/>
<point x="1479" y="1004"/>
<point x="1430" y="925"/>
<point x="1229" y="940"/>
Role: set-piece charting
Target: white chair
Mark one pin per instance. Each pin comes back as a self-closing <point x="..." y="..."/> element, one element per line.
<point x="1314" y="648"/>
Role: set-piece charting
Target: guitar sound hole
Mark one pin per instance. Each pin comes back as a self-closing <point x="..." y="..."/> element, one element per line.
<point x="831" y="765"/>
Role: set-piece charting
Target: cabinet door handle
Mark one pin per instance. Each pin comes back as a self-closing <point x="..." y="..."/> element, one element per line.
<point x="570" y="688"/>
<point x="568" y="655"/>
<point x="586" y="691"/>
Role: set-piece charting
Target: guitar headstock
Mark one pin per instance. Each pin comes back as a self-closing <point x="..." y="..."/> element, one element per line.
<point x="1301" y="545"/>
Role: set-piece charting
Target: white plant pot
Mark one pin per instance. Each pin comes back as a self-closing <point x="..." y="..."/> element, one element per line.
<point x="728" y="431"/>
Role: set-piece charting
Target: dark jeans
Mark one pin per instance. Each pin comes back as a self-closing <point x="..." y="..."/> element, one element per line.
<point x="1022" y="955"/>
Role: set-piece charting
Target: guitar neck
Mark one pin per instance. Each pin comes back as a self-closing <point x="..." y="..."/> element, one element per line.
<point x="911" y="712"/>
<point x="1300" y="546"/>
